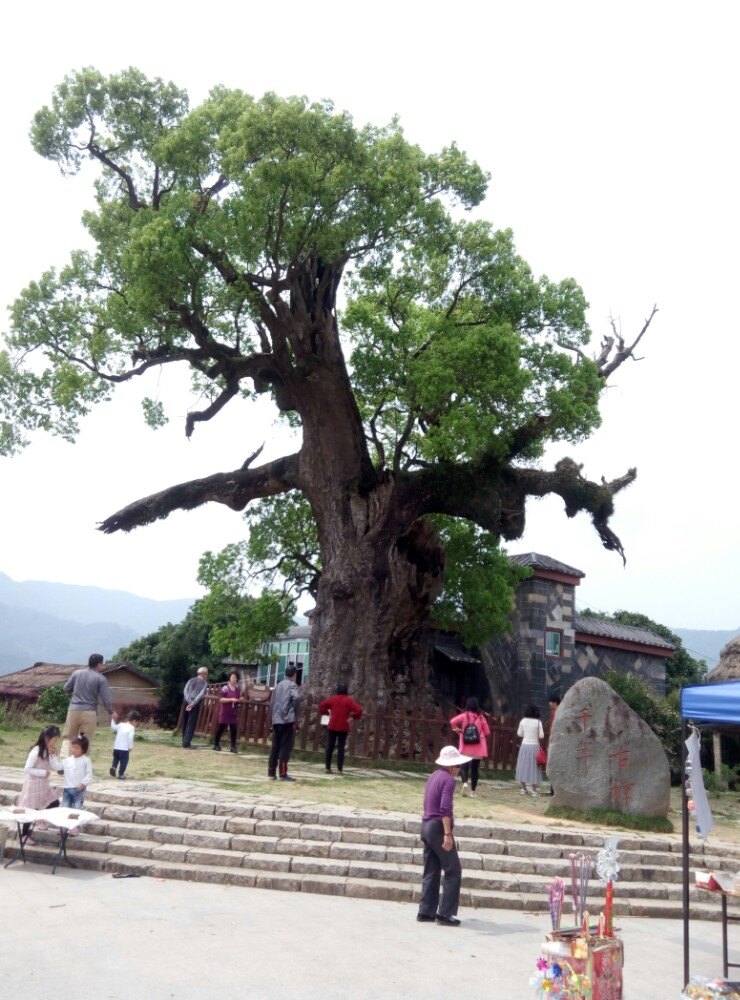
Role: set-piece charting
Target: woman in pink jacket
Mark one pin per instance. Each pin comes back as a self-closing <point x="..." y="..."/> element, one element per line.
<point x="473" y="729"/>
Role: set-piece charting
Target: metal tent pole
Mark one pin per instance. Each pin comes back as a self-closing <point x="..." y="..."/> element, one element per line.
<point x="685" y="851"/>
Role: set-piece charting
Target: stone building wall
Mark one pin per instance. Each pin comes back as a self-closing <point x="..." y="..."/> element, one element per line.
<point x="520" y="673"/>
<point x="517" y="668"/>
<point x="543" y="604"/>
<point x="595" y="660"/>
<point x="500" y="659"/>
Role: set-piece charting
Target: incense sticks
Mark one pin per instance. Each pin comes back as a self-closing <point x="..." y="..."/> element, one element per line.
<point x="556" y="892"/>
<point x="580" y="869"/>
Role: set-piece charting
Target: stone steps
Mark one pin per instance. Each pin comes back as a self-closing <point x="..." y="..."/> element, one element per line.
<point x="261" y="842"/>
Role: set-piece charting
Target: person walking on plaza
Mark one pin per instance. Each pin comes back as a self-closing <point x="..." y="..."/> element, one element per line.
<point x="87" y="686"/>
<point x="530" y="731"/>
<point x="228" y="711"/>
<point x="440" y="850"/>
<point x="340" y="708"/>
<point x="283" y="705"/>
<point x="473" y="729"/>
<point x="193" y="695"/>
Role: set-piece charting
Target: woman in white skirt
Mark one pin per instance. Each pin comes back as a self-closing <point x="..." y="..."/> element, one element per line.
<point x="528" y="771"/>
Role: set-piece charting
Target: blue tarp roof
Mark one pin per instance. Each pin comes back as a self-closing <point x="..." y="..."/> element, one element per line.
<point x="711" y="702"/>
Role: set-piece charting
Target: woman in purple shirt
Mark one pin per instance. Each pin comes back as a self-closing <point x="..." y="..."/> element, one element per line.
<point x="440" y="852"/>
<point x="228" y="713"/>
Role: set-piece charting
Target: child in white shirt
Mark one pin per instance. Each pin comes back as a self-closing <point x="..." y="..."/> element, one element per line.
<point x="78" y="774"/>
<point x="123" y="743"/>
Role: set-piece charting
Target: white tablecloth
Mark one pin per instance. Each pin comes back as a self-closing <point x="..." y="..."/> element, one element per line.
<point x="65" y="818"/>
<point x="19" y="814"/>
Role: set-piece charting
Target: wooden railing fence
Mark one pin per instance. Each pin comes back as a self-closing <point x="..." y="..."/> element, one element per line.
<point x="398" y="734"/>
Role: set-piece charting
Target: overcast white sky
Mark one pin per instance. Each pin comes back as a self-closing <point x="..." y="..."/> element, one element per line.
<point x="611" y="137"/>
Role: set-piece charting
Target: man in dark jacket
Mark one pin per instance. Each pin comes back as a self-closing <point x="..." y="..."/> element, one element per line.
<point x="193" y="695"/>
<point x="285" y="700"/>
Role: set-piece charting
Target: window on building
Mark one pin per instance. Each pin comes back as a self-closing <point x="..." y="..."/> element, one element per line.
<point x="554" y="642"/>
<point x="268" y="674"/>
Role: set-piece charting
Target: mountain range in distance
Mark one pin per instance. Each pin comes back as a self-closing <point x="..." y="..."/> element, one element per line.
<point x="64" y="623"/>
<point x="705" y="644"/>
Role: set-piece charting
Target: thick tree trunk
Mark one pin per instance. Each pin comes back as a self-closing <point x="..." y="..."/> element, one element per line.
<point x="383" y="567"/>
<point x="369" y="627"/>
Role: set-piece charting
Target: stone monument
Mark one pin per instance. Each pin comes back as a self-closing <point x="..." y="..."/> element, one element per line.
<point x="603" y="756"/>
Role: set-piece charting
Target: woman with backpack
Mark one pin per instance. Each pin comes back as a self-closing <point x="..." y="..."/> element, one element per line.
<point x="473" y="729"/>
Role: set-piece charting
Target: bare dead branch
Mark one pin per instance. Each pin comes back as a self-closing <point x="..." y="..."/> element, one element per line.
<point x="623" y="352"/>
<point x="255" y="454"/>
<point x="604" y="360"/>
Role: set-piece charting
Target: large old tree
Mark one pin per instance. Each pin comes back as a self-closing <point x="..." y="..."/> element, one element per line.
<point x="223" y="238"/>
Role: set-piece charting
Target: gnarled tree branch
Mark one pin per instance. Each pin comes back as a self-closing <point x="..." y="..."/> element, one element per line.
<point x="233" y="489"/>
<point x="607" y="366"/>
<point x="495" y="497"/>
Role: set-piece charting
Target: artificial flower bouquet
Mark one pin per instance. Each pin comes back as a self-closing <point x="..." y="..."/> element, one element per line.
<point x="553" y="981"/>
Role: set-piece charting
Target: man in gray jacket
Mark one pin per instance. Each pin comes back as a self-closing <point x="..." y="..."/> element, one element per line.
<point x="285" y="700"/>
<point x="87" y="687"/>
<point x="193" y="695"/>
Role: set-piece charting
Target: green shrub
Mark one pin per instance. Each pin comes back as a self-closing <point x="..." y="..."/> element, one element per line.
<point x="712" y="782"/>
<point x="612" y="817"/>
<point x="661" y="714"/>
<point x="52" y="704"/>
<point x="729" y="779"/>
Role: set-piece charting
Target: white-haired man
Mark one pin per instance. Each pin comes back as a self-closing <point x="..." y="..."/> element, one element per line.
<point x="193" y="695"/>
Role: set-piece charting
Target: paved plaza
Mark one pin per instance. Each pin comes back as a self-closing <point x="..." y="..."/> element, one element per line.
<point x="83" y="934"/>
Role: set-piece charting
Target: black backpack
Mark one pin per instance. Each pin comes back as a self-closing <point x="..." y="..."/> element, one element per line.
<point x="471" y="733"/>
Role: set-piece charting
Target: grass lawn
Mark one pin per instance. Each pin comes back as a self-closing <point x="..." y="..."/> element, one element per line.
<point x="158" y="756"/>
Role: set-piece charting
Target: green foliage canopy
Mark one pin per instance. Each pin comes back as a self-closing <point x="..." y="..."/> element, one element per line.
<point x="239" y="623"/>
<point x="171" y="655"/>
<point x="661" y="714"/>
<point x="203" y="216"/>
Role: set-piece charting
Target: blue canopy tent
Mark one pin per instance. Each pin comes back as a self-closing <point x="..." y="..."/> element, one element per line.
<point x="716" y="705"/>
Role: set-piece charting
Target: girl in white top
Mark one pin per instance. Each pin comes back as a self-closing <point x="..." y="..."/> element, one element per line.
<point x="530" y="730"/>
<point x="37" y="792"/>
<point x="78" y="773"/>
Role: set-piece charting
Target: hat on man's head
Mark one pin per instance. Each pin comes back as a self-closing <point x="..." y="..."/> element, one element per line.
<point x="451" y="757"/>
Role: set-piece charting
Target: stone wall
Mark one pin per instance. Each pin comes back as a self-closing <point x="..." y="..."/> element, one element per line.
<point x="595" y="660"/>
<point x="520" y="673"/>
<point x="500" y="658"/>
<point x="543" y="604"/>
